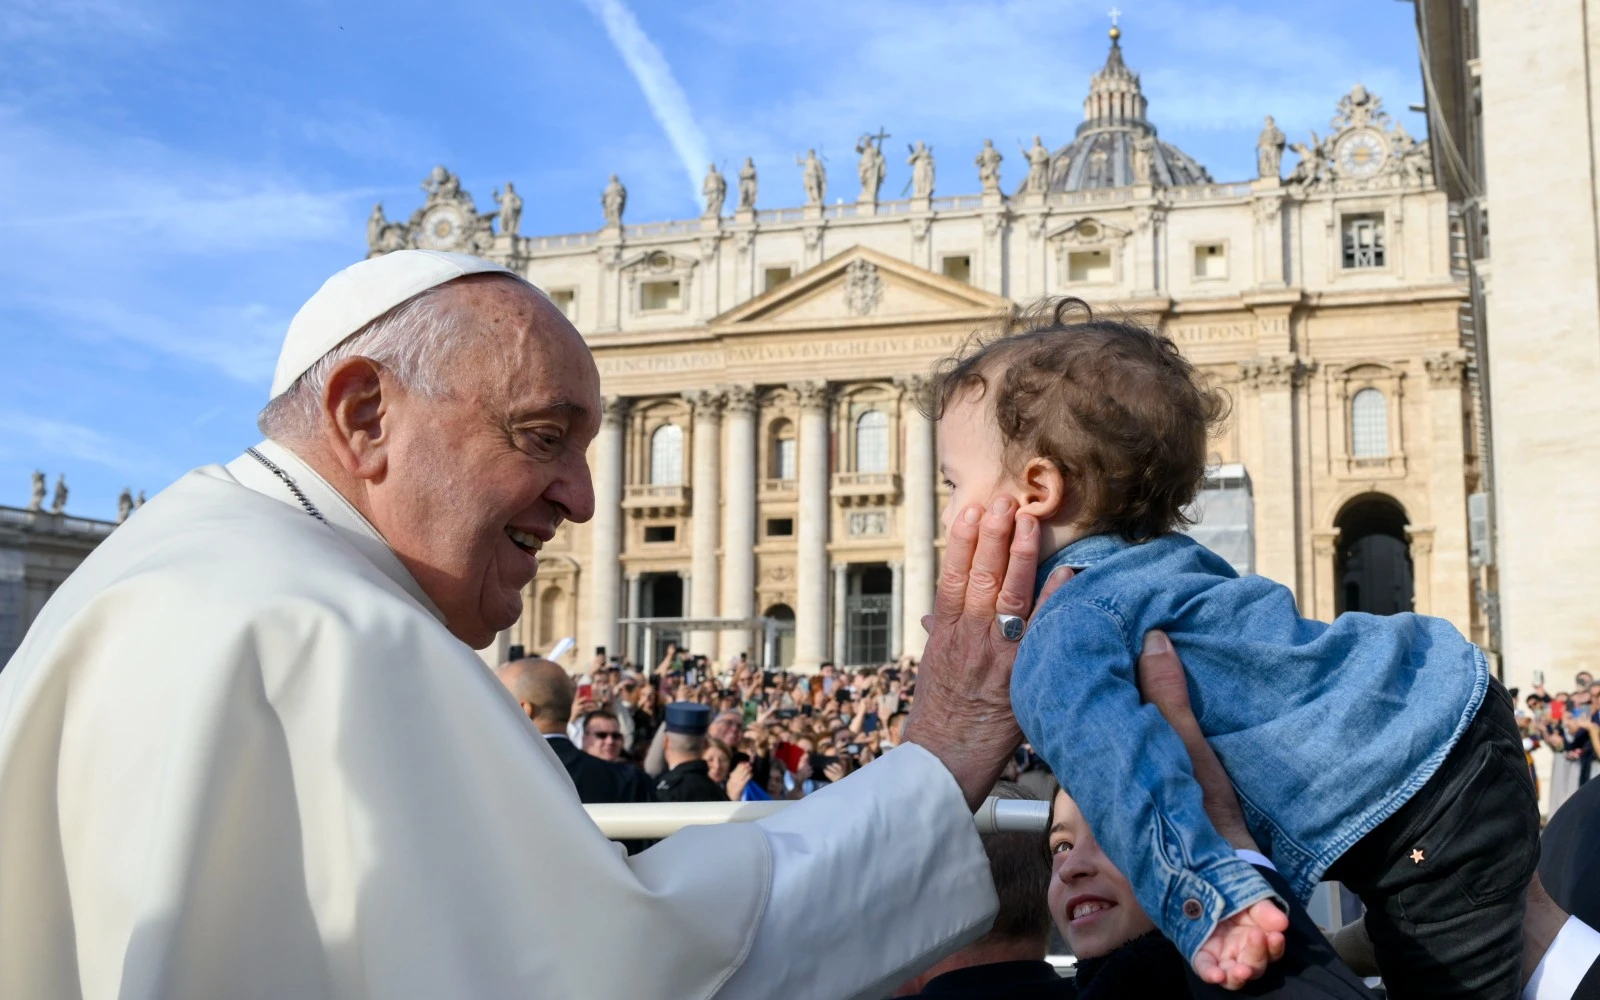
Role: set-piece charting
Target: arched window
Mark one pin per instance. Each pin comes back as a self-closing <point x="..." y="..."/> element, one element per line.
<point x="783" y="450"/>
<point x="1369" y="425"/>
<point x="872" y="442"/>
<point x="666" y="456"/>
<point x="552" y="615"/>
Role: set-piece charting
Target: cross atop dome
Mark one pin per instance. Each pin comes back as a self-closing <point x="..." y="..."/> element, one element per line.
<point x="1116" y="145"/>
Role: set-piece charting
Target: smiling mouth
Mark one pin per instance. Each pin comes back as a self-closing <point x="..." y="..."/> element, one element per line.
<point x="527" y="542"/>
<point x="1084" y="909"/>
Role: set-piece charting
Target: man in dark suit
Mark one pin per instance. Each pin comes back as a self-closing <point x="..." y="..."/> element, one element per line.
<point x="1009" y="961"/>
<point x="1560" y="942"/>
<point x="545" y="692"/>
<point x="1569" y="865"/>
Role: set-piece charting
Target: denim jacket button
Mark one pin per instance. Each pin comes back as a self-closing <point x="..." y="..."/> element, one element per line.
<point x="1192" y="909"/>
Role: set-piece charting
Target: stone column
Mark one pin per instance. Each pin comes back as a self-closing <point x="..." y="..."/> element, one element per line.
<point x="739" y="520"/>
<point x="635" y="607"/>
<point x="609" y="308"/>
<point x="1419" y="542"/>
<point x="841" y="599"/>
<point x="919" y="527"/>
<point x="1277" y="510"/>
<point x="1035" y="268"/>
<point x="605" y="565"/>
<point x="897" y="609"/>
<point x="707" y="524"/>
<point x="1324" y="584"/>
<point x="1145" y="258"/>
<point x="811" y="556"/>
<point x="1267" y="209"/>
<point x="1451" y="586"/>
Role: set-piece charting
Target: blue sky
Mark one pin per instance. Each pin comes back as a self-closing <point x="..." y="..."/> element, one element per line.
<point x="177" y="176"/>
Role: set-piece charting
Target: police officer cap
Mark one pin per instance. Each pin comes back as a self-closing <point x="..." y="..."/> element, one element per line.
<point x="688" y="717"/>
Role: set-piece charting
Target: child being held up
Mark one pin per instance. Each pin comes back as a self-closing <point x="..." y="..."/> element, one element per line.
<point x="1374" y="750"/>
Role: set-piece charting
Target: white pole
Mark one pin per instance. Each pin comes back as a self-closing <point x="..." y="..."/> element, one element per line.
<point x="654" y="820"/>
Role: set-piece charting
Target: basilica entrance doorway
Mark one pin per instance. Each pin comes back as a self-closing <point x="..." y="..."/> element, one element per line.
<point x="660" y="596"/>
<point x="868" y="602"/>
<point x="780" y="655"/>
<point x="1372" y="569"/>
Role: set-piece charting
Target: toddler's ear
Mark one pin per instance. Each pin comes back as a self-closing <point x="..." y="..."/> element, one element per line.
<point x="1044" y="489"/>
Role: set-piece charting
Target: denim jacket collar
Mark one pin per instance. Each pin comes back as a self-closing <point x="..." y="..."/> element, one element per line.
<point x="1081" y="554"/>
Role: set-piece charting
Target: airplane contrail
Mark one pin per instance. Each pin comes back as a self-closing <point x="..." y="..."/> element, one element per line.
<point x="666" y="99"/>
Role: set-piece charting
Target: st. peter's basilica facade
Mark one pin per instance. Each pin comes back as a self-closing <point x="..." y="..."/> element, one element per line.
<point x="763" y="454"/>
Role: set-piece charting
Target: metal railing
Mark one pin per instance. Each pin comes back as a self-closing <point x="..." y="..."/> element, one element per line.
<point x="654" y="820"/>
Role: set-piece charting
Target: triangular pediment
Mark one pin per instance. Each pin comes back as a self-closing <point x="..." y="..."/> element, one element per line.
<point x="862" y="287"/>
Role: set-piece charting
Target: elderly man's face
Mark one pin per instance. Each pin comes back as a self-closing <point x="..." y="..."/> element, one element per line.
<point x="476" y="483"/>
<point x="727" y="727"/>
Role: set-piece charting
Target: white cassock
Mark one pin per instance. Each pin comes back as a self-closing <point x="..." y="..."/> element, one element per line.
<point x="240" y="756"/>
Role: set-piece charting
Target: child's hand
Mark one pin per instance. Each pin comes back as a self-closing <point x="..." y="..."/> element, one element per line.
<point x="1241" y="946"/>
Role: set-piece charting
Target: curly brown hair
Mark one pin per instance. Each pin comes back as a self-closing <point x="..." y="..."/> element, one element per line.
<point x="1113" y="404"/>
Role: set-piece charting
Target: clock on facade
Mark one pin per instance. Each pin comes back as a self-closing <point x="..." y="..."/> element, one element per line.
<point x="442" y="228"/>
<point x="1361" y="153"/>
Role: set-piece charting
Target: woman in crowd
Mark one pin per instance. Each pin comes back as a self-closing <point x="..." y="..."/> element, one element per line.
<point x="1119" y="950"/>
<point x="729" y="777"/>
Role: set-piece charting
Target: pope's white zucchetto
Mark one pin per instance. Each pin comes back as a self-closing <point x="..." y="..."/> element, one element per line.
<point x="360" y="294"/>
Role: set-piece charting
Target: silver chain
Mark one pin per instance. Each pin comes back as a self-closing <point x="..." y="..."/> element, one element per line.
<point x="294" y="488"/>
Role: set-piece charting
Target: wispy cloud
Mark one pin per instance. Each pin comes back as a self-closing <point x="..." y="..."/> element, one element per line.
<point x="33" y="435"/>
<point x="33" y="20"/>
<point x="667" y="101"/>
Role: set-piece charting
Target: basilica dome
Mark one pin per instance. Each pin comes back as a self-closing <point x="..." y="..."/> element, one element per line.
<point x="1106" y="152"/>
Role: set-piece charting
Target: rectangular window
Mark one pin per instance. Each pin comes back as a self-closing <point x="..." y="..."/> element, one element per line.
<point x="661" y="532"/>
<point x="655" y="296"/>
<point x="784" y="466"/>
<point x="1210" y="260"/>
<point x="959" y="268"/>
<point x="1363" y="241"/>
<point x="772" y="277"/>
<point x="1089" y="265"/>
<point x="566" y="300"/>
<point x="780" y="527"/>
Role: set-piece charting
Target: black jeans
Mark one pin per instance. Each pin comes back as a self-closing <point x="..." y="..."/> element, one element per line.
<point x="1445" y="878"/>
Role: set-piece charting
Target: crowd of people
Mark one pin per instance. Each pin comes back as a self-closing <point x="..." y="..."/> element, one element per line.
<point x="771" y="733"/>
<point x="1566" y="723"/>
<point x="735" y="728"/>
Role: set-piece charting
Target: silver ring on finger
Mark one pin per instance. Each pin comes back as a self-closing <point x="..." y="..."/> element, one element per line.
<point x="1011" y="627"/>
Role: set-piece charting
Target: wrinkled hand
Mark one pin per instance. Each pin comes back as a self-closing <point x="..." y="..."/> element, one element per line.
<point x="1241" y="946"/>
<point x="962" y="712"/>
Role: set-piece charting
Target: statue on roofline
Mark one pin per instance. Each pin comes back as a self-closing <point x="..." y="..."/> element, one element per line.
<point x="715" y="190"/>
<point x="613" y="200"/>
<point x="510" y="209"/>
<point x="814" y="177"/>
<point x="1038" y="157"/>
<point x="747" y="186"/>
<point x="1269" y="150"/>
<point x="872" y="166"/>
<point x="988" y="162"/>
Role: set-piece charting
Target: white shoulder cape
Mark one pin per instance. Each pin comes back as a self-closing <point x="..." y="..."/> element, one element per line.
<point x="240" y="756"/>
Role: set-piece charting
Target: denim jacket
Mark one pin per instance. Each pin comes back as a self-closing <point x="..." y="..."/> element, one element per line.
<point x="1326" y="730"/>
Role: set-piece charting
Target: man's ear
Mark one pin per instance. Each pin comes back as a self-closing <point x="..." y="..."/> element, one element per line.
<point x="1044" y="489"/>
<point x="355" y="410"/>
